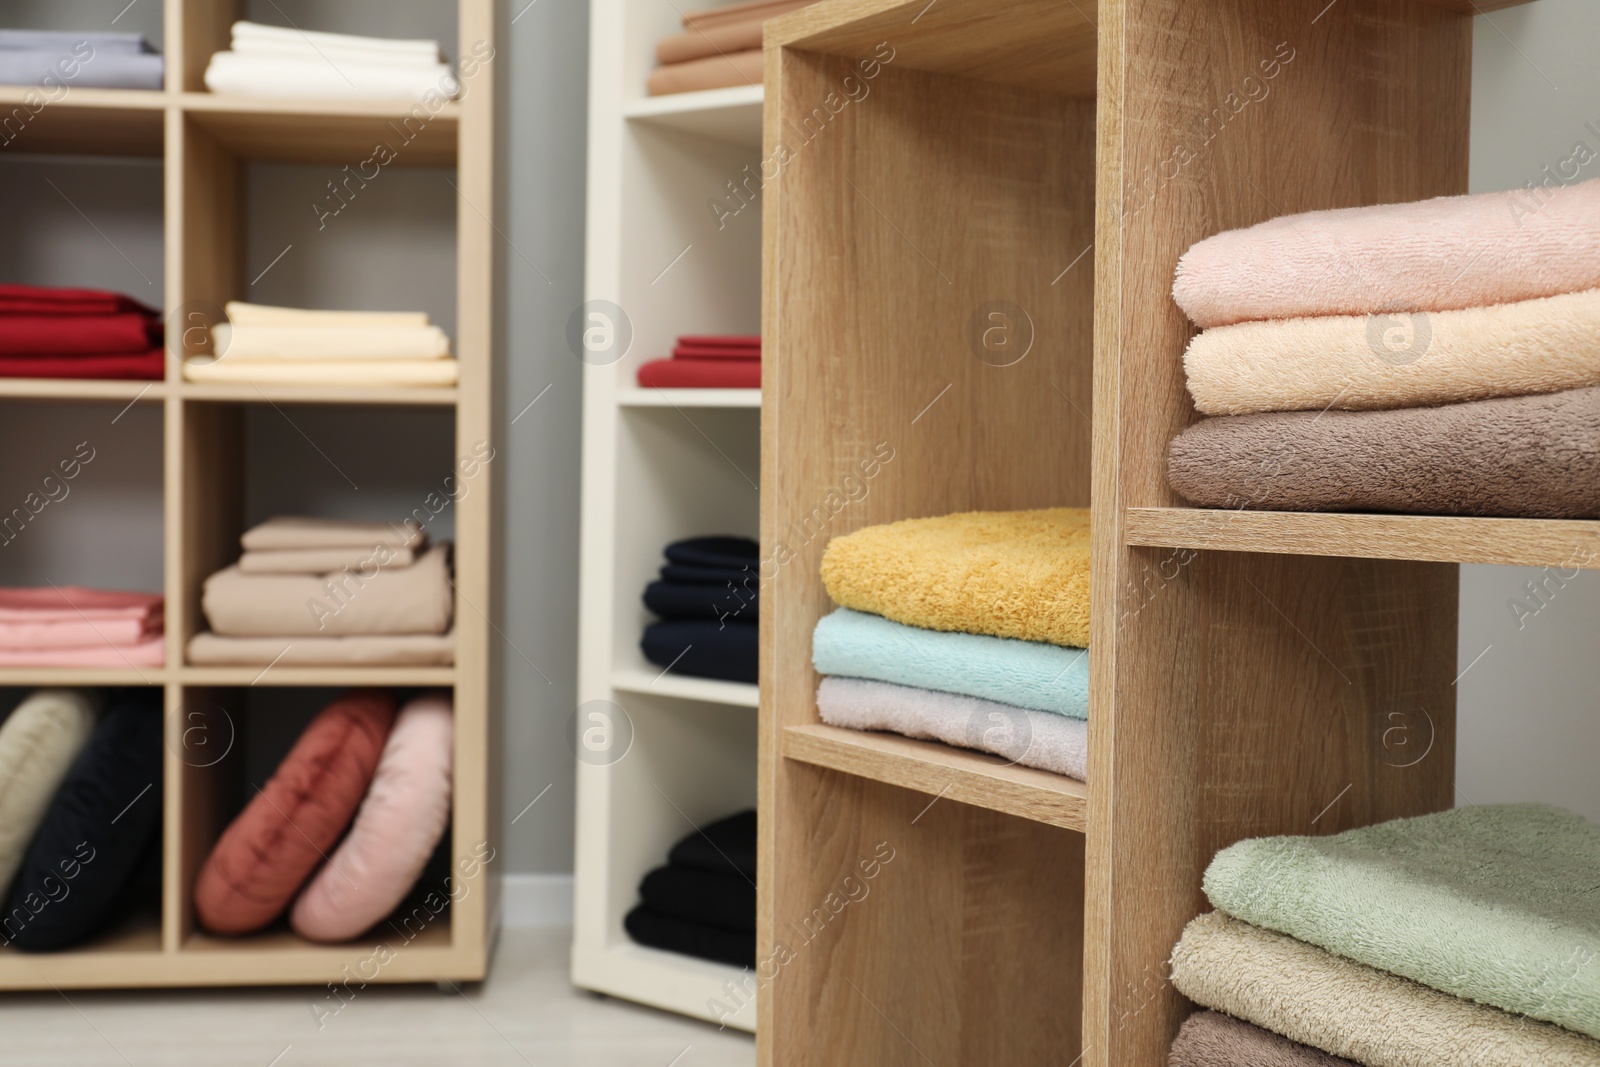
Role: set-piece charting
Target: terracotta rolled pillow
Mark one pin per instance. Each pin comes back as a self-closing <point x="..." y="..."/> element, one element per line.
<point x="396" y="830"/>
<point x="268" y="852"/>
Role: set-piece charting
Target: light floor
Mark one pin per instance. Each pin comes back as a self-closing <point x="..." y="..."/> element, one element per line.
<point x="525" y="1015"/>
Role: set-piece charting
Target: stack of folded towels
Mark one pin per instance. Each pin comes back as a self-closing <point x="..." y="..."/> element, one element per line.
<point x="77" y="333"/>
<point x="88" y="60"/>
<point x="70" y="626"/>
<point x="719" y="47"/>
<point x="312" y="592"/>
<point x="80" y="814"/>
<point x="283" y="62"/>
<point x="969" y="629"/>
<point x="340" y="834"/>
<point x="1469" y="938"/>
<point x="708" y="600"/>
<point x="1440" y="357"/>
<point x="292" y="346"/>
<point x="703" y="902"/>
<point x="707" y="362"/>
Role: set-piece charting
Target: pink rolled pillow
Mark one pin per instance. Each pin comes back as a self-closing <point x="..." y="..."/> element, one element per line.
<point x="399" y="825"/>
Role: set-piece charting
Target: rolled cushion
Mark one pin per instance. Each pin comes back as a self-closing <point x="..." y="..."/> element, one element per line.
<point x="400" y="822"/>
<point x="703" y="648"/>
<point x="104" y="819"/>
<point x="268" y="852"/>
<point x="38" y="742"/>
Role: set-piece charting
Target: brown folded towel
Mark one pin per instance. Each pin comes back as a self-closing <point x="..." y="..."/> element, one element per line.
<point x="1528" y="456"/>
<point x="396" y="650"/>
<point x="717" y="72"/>
<point x="1211" y="1039"/>
<point x="706" y="18"/>
<point x="711" y="41"/>
<point x="285" y="532"/>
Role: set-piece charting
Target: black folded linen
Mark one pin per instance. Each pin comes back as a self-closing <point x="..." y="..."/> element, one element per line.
<point x="671" y="934"/>
<point x="727" y="651"/>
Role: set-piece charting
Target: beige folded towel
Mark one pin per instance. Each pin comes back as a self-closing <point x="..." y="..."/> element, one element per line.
<point x="243" y="314"/>
<point x="318" y="560"/>
<point x="706" y="18"/>
<point x="296" y="343"/>
<point x="284" y="532"/>
<point x="395" y="650"/>
<point x="420" y="373"/>
<point x="371" y="600"/>
<point x="1363" y="362"/>
<point x="1349" y="1009"/>
<point x="717" y="72"/>
<point x="712" y="41"/>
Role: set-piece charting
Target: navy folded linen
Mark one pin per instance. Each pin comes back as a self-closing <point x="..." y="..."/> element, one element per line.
<point x="703" y="648"/>
<point x="727" y="846"/>
<point x="672" y="934"/>
<point x="743" y="577"/>
<point x="720" y="551"/>
<point x="702" y="600"/>
<point x="727" y="901"/>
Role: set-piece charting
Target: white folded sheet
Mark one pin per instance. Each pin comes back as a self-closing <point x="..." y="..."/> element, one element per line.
<point x="319" y="76"/>
<point x="374" y="372"/>
<point x="243" y="314"/>
<point x="329" y="342"/>
<point x="252" y="37"/>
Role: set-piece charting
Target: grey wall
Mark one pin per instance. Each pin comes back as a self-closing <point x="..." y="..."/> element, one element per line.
<point x="1529" y="710"/>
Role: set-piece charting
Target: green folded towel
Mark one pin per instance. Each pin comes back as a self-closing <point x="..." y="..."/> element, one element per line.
<point x="1498" y="904"/>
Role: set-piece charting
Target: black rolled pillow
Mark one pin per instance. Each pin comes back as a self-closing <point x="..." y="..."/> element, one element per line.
<point x="106" y="817"/>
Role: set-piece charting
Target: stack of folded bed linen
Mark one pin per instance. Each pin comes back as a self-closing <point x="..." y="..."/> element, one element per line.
<point x="1440" y="357"/>
<point x="708" y="600"/>
<point x="283" y="62"/>
<point x="1469" y="938"/>
<point x="969" y="629"/>
<point x="51" y="59"/>
<point x="293" y="346"/>
<point x="77" y="333"/>
<point x="703" y="902"/>
<point x="70" y="626"/>
<point x="717" y="361"/>
<point x="312" y="592"/>
<point x="80" y="814"/>
<point x="719" y="47"/>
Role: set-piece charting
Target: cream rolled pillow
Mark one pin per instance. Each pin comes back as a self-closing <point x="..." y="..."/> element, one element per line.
<point x="400" y="823"/>
<point x="38" y="742"/>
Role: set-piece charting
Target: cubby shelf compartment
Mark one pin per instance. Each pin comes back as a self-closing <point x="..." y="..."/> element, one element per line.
<point x="101" y="122"/>
<point x="313" y="131"/>
<point x="732" y="115"/>
<point x="1440" y="538"/>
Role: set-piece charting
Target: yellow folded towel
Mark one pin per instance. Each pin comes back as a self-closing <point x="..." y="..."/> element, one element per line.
<point x="1022" y="574"/>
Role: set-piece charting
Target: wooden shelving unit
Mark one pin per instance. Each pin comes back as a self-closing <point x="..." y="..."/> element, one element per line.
<point x="659" y="465"/>
<point x="1245" y="667"/>
<point x="205" y="142"/>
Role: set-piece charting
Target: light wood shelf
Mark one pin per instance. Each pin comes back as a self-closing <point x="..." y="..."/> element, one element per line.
<point x="689" y="398"/>
<point x="709" y="690"/>
<point x="732" y="115"/>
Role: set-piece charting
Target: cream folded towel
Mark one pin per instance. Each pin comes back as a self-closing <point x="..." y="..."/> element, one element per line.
<point x="317" y="560"/>
<point x="1436" y="255"/>
<point x="243" y="314"/>
<point x="297" y="343"/>
<point x="318" y="76"/>
<point x="419" y="373"/>
<point x="1361" y="362"/>
<point x="1352" y="1010"/>
<point x="283" y="533"/>
<point x="396" y="650"/>
<point x="253" y="37"/>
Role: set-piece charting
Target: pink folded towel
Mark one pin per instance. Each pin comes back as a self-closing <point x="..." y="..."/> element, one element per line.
<point x="1434" y="255"/>
<point x="150" y="652"/>
<point x="76" y="633"/>
<point x="73" y="603"/>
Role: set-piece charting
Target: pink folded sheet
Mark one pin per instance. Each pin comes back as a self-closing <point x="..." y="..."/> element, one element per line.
<point x="76" y="633"/>
<point x="73" y="603"/>
<point x="150" y="652"/>
<point x="1443" y="254"/>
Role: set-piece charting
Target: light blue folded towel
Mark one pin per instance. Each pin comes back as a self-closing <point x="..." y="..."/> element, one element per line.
<point x="1027" y="674"/>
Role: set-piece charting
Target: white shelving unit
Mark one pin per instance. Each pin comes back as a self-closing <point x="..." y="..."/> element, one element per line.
<point x="659" y="465"/>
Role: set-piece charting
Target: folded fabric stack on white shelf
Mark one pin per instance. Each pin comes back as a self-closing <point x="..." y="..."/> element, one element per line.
<point x="53" y="59"/>
<point x="283" y="62"/>
<point x="310" y="592"/>
<point x="290" y="346"/>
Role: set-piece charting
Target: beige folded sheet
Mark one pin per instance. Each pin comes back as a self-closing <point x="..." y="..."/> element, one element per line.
<point x="377" y="600"/>
<point x="396" y="372"/>
<point x="285" y="532"/>
<point x="714" y="72"/>
<point x="324" y="560"/>
<point x="409" y="650"/>
<point x="243" y="314"/>
<point x="300" y="343"/>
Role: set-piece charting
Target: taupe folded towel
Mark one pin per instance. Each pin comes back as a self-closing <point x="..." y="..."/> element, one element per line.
<point x="1211" y="1039"/>
<point x="1529" y="456"/>
<point x="376" y="600"/>
<point x="377" y="650"/>
<point x="324" y="560"/>
<point x="285" y="532"/>
<point x="715" y="72"/>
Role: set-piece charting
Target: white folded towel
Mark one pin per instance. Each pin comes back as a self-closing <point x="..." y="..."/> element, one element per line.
<point x="320" y="76"/>
<point x="301" y="343"/>
<point x="258" y="38"/>
<point x="370" y="372"/>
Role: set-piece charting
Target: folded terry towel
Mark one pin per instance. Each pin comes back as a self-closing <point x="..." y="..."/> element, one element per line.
<point x="142" y="366"/>
<point x="369" y="600"/>
<point x="295" y="343"/>
<point x="241" y="313"/>
<point x="1209" y="1039"/>
<point x="720" y="373"/>
<point x="150" y="652"/>
<point x="1042" y="739"/>
<point x="1498" y="904"/>
<point x="1022" y="574"/>
<point x="1528" y="456"/>
<point x="399" y="650"/>
<point x="1026" y="674"/>
<point x="1435" y="255"/>
<point x="1363" y="362"/>
<point x="727" y="846"/>
<point x="344" y="78"/>
<point x="714" y="72"/>
<point x="723" y="900"/>
<point x="726" y="551"/>
<point x="703" y="600"/>
<point x="703" y="648"/>
<point x="1349" y="1009"/>
<point x="437" y="373"/>
<point x="288" y="532"/>
<point x="671" y="934"/>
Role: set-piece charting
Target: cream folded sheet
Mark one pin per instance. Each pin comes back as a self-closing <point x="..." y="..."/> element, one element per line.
<point x="370" y="600"/>
<point x="286" y="532"/>
<point x="395" y="650"/>
<point x="329" y="342"/>
<point x="323" y="560"/>
<point x="320" y="76"/>
<point x="250" y="37"/>
<point x="241" y="313"/>
<point x="1367" y="362"/>
<point x="381" y="372"/>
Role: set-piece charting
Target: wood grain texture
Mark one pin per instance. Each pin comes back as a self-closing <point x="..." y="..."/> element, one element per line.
<point x="333" y="132"/>
<point x="942" y="771"/>
<point x="109" y="122"/>
<point x="1440" y="538"/>
<point x="1475" y="7"/>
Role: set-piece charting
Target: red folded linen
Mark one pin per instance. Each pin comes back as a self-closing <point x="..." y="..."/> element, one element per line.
<point x="722" y="340"/>
<point x="78" y="335"/>
<point x="40" y="300"/>
<point x="713" y="352"/>
<point x="701" y="374"/>
<point x="150" y="365"/>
